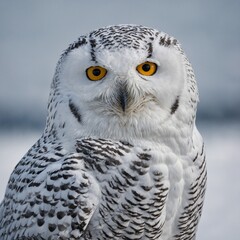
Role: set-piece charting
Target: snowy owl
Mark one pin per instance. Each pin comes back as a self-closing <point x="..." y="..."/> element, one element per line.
<point x="120" y="157"/>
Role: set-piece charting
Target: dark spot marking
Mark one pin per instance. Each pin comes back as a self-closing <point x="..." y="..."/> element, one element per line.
<point x="138" y="196"/>
<point x="72" y="206"/>
<point x="75" y="111"/>
<point x="81" y="41"/>
<point x="51" y="213"/>
<point x="45" y="199"/>
<point x="60" y="215"/>
<point x="126" y="143"/>
<point x="64" y="186"/>
<point x="146" y="188"/>
<point x="175" y="106"/>
<point x="61" y="227"/>
<point x="162" y="41"/>
<point x="168" y="42"/>
<point x="40" y="222"/>
<point x="93" y="45"/>
<point x="202" y="150"/>
<point x="150" y="49"/>
<point x="28" y="214"/>
<point x="81" y="226"/>
<point x="174" y="42"/>
<point x="51" y="227"/>
<point x="34" y="184"/>
<point x="42" y="213"/>
<point x="74" y="225"/>
<point x="144" y="156"/>
<point x="195" y="158"/>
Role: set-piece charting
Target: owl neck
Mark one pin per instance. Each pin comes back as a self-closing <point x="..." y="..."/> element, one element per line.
<point x="174" y="133"/>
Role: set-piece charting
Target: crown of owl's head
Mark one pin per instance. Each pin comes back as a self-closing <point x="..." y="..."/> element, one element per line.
<point x="122" y="82"/>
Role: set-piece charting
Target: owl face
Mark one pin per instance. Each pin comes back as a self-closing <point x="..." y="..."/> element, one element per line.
<point x="125" y="77"/>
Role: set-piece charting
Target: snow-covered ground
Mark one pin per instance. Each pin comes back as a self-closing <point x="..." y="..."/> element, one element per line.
<point x="221" y="214"/>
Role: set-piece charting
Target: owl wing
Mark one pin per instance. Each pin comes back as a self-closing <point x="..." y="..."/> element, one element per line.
<point x="106" y="188"/>
<point x="190" y="216"/>
<point x="134" y="189"/>
<point x="58" y="202"/>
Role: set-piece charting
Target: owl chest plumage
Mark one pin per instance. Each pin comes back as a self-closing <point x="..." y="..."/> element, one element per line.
<point x="145" y="193"/>
<point x="105" y="190"/>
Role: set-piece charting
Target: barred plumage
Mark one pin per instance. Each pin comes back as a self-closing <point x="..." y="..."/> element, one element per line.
<point x="120" y="158"/>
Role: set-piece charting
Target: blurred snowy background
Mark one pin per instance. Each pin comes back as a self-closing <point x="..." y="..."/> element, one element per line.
<point x="34" y="33"/>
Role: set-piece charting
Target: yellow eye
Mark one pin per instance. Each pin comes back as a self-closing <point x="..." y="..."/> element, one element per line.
<point x="147" y="68"/>
<point x="96" y="73"/>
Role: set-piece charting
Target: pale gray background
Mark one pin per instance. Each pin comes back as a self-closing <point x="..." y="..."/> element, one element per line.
<point x="34" y="33"/>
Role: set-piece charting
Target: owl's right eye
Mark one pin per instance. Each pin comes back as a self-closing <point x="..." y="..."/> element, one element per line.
<point x="96" y="73"/>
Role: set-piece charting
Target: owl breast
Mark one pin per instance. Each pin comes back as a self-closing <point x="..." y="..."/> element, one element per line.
<point x="145" y="193"/>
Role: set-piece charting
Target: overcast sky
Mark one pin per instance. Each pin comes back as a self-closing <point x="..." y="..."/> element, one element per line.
<point x="34" y="33"/>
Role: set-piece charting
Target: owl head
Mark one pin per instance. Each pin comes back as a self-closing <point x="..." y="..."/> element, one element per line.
<point x="122" y="82"/>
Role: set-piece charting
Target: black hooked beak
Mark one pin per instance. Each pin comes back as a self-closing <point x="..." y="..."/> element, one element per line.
<point x="123" y="97"/>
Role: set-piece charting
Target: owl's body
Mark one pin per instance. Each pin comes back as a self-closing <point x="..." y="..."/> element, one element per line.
<point x="120" y="157"/>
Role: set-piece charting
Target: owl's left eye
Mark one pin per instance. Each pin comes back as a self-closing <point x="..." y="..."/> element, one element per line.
<point x="147" y="68"/>
<point x="96" y="73"/>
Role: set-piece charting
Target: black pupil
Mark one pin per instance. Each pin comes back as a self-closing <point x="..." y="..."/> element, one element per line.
<point x="146" y="67"/>
<point x="96" y="72"/>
